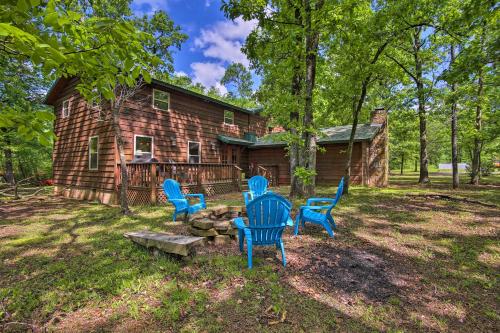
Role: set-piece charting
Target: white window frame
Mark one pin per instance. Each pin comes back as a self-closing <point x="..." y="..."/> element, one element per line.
<point x="144" y="136"/>
<point x="97" y="152"/>
<point x="66" y="111"/>
<point x="232" y="112"/>
<point x="199" y="151"/>
<point x="168" y="100"/>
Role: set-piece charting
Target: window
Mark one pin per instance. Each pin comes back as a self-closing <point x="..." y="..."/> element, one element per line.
<point x="65" y="108"/>
<point x="161" y="100"/>
<point x="228" y="117"/>
<point x="194" y="152"/>
<point x="143" y="146"/>
<point x="93" y="153"/>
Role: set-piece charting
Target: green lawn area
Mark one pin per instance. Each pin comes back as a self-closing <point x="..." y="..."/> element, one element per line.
<point x="400" y="261"/>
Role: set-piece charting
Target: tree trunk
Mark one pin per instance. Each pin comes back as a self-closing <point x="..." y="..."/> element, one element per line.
<point x="422" y="115"/>
<point x="402" y="163"/>
<point x="312" y="43"/>
<point x="9" y="168"/>
<point x="296" y="188"/>
<point x="355" y="118"/>
<point x="123" y="163"/>
<point x="454" y="147"/>
<point x="476" y="155"/>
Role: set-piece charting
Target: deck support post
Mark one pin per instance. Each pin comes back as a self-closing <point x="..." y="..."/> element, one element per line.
<point x="154" y="186"/>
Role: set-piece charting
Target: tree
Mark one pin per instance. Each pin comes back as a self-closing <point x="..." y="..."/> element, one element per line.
<point x="108" y="54"/>
<point x="166" y="35"/>
<point x="25" y="122"/>
<point x="403" y="136"/>
<point x="284" y="49"/>
<point x="237" y="75"/>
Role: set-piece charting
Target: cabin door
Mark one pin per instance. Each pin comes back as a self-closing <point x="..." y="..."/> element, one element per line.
<point x="233" y="154"/>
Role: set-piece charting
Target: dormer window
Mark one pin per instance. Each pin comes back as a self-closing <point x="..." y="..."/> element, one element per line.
<point x="65" y="108"/>
<point x="161" y="100"/>
<point x="228" y="117"/>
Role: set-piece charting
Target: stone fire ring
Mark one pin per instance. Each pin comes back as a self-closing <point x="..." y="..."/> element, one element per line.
<point x="216" y="223"/>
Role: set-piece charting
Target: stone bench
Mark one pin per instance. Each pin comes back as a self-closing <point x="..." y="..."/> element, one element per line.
<point x="175" y="244"/>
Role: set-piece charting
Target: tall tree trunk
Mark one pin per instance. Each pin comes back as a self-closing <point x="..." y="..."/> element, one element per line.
<point x="402" y="163"/>
<point x="454" y="146"/>
<point x="355" y="116"/>
<point x="476" y="155"/>
<point x="312" y="43"/>
<point x="355" y="119"/>
<point x="115" y="109"/>
<point x="296" y="188"/>
<point x="9" y="167"/>
<point x="422" y="114"/>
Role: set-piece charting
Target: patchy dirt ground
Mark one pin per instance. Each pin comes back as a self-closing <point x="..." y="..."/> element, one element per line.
<point x="397" y="262"/>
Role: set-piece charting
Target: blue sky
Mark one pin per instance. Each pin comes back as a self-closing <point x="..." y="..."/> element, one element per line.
<point x="214" y="41"/>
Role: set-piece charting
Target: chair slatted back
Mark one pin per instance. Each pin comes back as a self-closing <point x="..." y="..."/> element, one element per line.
<point x="267" y="217"/>
<point x="257" y="186"/>
<point x="172" y="190"/>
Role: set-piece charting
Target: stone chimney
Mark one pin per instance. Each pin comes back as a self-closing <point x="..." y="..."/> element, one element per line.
<point x="379" y="116"/>
<point x="378" y="158"/>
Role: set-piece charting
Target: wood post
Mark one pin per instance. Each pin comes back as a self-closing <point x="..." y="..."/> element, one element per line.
<point x="199" y="179"/>
<point x="154" y="187"/>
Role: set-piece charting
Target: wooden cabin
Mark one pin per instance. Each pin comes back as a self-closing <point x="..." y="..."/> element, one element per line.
<point x="207" y="145"/>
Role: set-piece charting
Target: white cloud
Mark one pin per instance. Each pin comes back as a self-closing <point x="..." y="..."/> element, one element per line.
<point x="223" y="40"/>
<point x="208" y="3"/>
<point x="209" y="74"/>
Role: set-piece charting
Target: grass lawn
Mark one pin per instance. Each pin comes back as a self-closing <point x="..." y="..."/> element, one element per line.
<point x="400" y="261"/>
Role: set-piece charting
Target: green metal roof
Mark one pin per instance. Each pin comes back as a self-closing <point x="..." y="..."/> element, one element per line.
<point x="234" y="141"/>
<point x="205" y="97"/>
<point x="49" y="98"/>
<point x="337" y="134"/>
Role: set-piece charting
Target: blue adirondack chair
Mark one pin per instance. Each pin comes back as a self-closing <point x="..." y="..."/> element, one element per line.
<point x="267" y="217"/>
<point x="257" y="186"/>
<point x="319" y="214"/>
<point x="174" y="195"/>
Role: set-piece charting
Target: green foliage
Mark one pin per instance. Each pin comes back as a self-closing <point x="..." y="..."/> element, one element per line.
<point x="237" y="75"/>
<point x="165" y="36"/>
<point x="305" y="174"/>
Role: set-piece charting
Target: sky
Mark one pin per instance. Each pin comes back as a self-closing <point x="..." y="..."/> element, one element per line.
<point x="214" y="42"/>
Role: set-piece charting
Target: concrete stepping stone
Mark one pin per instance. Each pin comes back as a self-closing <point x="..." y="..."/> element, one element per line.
<point x="176" y="244"/>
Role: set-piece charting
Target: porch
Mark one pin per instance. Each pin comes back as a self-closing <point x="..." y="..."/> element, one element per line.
<point x="145" y="179"/>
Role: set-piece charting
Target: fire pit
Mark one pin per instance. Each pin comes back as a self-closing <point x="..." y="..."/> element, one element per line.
<point x="216" y="224"/>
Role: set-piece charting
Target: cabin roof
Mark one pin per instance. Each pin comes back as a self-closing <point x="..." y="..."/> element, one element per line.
<point x="337" y="134"/>
<point x="234" y="140"/>
<point x="51" y="96"/>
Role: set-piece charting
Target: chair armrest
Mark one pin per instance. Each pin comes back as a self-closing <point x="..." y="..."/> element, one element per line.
<point x="314" y="207"/>
<point x="310" y="201"/>
<point x="289" y="222"/>
<point x="240" y="224"/>
<point x="246" y="196"/>
<point x="197" y="195"/>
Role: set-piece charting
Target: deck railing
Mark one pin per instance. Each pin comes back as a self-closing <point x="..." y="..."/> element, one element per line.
<point x="202" y="177"/>
<point x="155" y="173"/>
<point x="271" y="172"/>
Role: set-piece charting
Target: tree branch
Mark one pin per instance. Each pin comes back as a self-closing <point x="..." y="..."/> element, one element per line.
<point x="403" y="68"/>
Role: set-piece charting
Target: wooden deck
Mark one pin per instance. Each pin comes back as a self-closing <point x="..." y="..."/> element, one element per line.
<point x="145" y="179"/>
